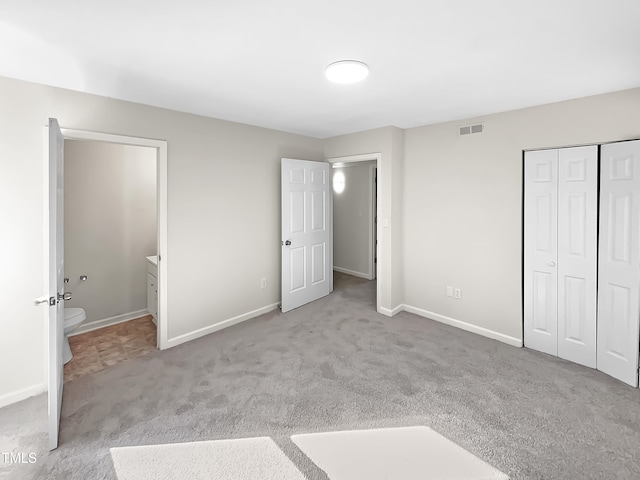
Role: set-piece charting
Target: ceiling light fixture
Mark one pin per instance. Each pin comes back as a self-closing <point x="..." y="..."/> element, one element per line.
<point x="347" y="71"/>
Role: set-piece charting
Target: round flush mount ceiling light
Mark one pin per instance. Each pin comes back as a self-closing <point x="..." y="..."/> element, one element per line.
<point x="347" y="71"/>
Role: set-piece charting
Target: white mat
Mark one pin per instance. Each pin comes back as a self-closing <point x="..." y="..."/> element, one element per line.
<point x="242" y="459"/>
<point x="411" y="453"/>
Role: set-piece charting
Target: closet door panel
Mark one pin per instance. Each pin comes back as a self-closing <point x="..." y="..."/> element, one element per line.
<point x="540" y="251"/>
<point x="577" y="253"/>
<point x="619" y="262"/>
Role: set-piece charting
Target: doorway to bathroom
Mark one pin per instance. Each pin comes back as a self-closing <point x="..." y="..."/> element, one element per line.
<point x="110" y="231"/>
<point x="115" y="235"/>
<point x="54" y="253"/>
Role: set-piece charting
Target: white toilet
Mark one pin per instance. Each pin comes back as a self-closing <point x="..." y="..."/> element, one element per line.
<point x="73" y="317"/>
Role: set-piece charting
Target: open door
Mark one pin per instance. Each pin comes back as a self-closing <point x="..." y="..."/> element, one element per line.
<point x="56" y="274"/>
<point x="307" y="246"/>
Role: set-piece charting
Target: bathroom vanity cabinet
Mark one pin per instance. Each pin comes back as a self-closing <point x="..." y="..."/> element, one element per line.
<point x="152" y="287"/>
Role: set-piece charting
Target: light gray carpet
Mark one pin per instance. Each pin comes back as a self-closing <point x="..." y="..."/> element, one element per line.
<point x="338" y="365"/>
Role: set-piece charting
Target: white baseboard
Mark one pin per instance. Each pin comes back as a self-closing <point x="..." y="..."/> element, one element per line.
<point x="14" y="397"/>
<point x="172" y="342"/>
<point x="391" y="312"/>
<point x="485" y="332"/>
<point x="352" y="272"/>
<point x="106" y="322"/>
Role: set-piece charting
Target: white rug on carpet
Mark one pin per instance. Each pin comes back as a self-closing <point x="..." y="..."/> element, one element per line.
<point x="241" y="459"/>
<point x="410" y="453"/>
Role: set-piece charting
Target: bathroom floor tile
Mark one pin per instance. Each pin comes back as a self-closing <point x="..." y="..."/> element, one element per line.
<point x="113" y="356"/>
<point x="100" y="349"/>
<point x="130" y="338"/>
<point x="107" y="344"/>
<point x="84" y="350"/>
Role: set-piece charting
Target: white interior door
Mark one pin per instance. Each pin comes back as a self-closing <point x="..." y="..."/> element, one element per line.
<point x="56" y="274"/>
<point x="619" y="266"/>
<point x="577" y="253"/>
<point x="306" y="234"/>
<point x="540" y="251"/>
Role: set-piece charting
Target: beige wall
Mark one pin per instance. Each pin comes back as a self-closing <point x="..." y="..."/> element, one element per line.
<point x="463" y="204"/>
<point x="353" y="220"/>
<point x="452" y="205"/>
<point x="109" y="225"/>
<point x="223" y="214"/>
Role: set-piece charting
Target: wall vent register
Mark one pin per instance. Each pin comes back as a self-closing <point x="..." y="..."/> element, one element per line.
<point x="470" y="129"/>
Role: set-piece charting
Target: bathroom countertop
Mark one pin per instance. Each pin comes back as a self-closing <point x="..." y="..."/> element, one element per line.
<point x="153" y="260"/>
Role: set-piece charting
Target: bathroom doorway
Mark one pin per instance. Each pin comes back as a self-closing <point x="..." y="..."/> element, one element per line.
<point x="53" y="265"/>
<point x="140" y="168"/>
<point x="110" y="231"/>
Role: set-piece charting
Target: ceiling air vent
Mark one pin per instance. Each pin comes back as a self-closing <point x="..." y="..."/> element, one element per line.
<point x="469" y="129"/>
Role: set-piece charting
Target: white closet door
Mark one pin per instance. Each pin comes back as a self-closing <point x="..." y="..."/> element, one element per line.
<point x="540" y="251"/>
<point x="619" y="271"/>
<point x="577" y="253"/>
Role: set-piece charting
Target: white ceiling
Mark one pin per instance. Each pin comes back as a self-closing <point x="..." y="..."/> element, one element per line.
<point x="262" y="62"/>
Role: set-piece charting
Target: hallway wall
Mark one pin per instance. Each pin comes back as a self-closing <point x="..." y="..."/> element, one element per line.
<point x="353" y="219"/>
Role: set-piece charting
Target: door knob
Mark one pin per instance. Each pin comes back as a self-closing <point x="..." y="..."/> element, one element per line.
<point x="552" y="264"/>
<point x="64" y="296"/>
<point x="43" y="301"/>
<point x="288" y="242"/>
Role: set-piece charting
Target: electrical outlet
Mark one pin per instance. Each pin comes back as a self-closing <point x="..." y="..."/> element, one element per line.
<point x="449" y="291"/>
<point x="457" y="293"/>
<point x="263" y="283"/>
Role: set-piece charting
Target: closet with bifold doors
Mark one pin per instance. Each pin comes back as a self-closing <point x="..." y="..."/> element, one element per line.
<point x="582" y="255"/>
<point x="560" y="245"/>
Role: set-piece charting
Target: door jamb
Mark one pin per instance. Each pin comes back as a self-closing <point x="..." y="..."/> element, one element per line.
<point x="161" y="199"/>
<point x="367" y="157"/>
